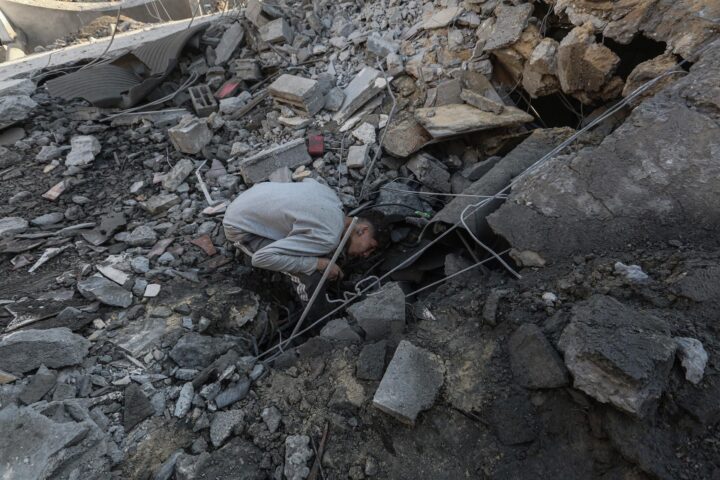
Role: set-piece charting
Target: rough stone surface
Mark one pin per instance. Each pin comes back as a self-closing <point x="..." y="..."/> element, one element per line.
<point x="638" y="174"/>
<point x="339" y="329"/>
<point x="137" y="407"/>
<point x="84" y="149"/>
<point x="535" y="363"/>
<point x="105" y="291"/>
<point x="234" y="393"/>
<point x="300" y="93"/>
<point x="363" y="87"/>
<point x="618" y="355"/>
<point x="142" y="236"/>
<point x="195" y="350"/>
<point x="509" y="25"/>
<point x="230" y="41"/>
<point x="297" y="454"/>
<point x="430" y="172"/>
<point x="585" y="68"/>
<point x="184" y="400"/>
<point x="239" y="459"/>
<point x="693" y="358"/>
<point x="272" y="418"/>
<point x="223" y="424"/>
<point x="160" y="203"/>
<point x="410" y="384"/>
<point x="371" y="361"/>
<point x="190" y="135"/>
<point x="178" y="174"/>
<point x="15" y="108"/>
<point x="32" y="445"/>
<point x="39" y="385"/>
<point x="12" y="225"/>
<point x="26" y="350"/>
<point x="382" y="314"/>
<point x="456" y="119"/>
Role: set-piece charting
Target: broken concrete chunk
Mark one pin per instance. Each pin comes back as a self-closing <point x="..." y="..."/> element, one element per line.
<point x="618" y="355"/>
<point x="410" y="384"/>
<point x="483" y="103"/>
<point x="184" y="400"/>
<point x="339" y="329"/>
<point x="277" y="31"/>
<point x="48" y="219"/>
<point x="190" y="135"/>
<point x="441" y="18"/>
<point x="84" y="149"/>
<point x="380" y="46"/>
<point x="358" y="156"/>
<point x="363" y="87"/>
<point x="39" y="385"/>
<point x="230" y="41"/>
<point x="142" y="236"/>
<point x="450" y="120"/>
<point x="178" y="174"/>
<point x="382" y="314"/>
<point x="405" y="137"/>
<point x="161" y="203"/>
<point x="297" y="455"/>
<point x="27" y="350"/>
<point x="535" y="363"/>
<point x="584" y="67"/>
<point x="430" y="172"/>
<point x="223" y="424"/>
<point x="539" y="76"/>
<point x="509" y="25"/>
<point x="137" y="407"/>
<point x="194" y="350"/>
<point x="246" y="69"/>
<point x="365" y="133"/>
<point x="302" y="94"/>
<point x="334" y="99"/>
<point x="371" y="361"/>
<point x="693" y="358"/>
<point x="12" y="225"/>
<point x="260" y="12"/>
<point x="105" y="291"/>
<point x="20" y="86"/>
<point x="258" y="168"/>
<point x="15" y="108"/>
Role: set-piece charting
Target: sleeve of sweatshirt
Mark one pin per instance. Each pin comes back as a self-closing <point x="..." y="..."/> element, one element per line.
<point x="296" y="253"/>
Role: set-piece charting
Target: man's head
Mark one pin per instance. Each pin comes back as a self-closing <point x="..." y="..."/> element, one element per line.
<point x="364" y="239"/>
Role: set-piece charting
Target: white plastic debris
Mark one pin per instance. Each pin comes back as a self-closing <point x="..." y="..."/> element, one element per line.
<point x="633" y="273"/>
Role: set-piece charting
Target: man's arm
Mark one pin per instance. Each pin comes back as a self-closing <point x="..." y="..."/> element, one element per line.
<point x="297" y="253"/>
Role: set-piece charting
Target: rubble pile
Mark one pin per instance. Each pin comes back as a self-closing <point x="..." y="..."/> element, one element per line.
<point x="136" y="342"/>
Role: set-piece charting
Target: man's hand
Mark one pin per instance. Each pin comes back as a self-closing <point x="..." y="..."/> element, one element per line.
<point x="335" y="272"/>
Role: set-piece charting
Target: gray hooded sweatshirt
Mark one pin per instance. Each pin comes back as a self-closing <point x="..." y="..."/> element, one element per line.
<point x="303" y="220"/>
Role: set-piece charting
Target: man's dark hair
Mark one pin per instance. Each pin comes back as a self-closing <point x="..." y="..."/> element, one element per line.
<point x="379" y="230"/>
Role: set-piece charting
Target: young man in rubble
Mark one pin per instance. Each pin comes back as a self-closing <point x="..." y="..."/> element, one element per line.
<point x="295" y="228"/>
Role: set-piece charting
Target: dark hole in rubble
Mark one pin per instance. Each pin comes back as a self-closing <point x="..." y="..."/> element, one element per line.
<point x="556" y="110"/>
<point x="634" y="53"/>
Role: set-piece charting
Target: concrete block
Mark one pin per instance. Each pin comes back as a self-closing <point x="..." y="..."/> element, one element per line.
<point x="382" y="314"/>
<point x="302" y="94"/>
<point x="410" y="384"/>
<point x="190" y="135"/>
<point x="277" y="31"/>
<point x="340" y="330"/>
<point x="203" y="100"/>
<point x="358" y="156"/>
<point x="483" y="103"/>
<point x="259" y="167"/>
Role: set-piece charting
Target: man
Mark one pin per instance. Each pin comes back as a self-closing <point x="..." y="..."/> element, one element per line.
<point x="295" y="228"/>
